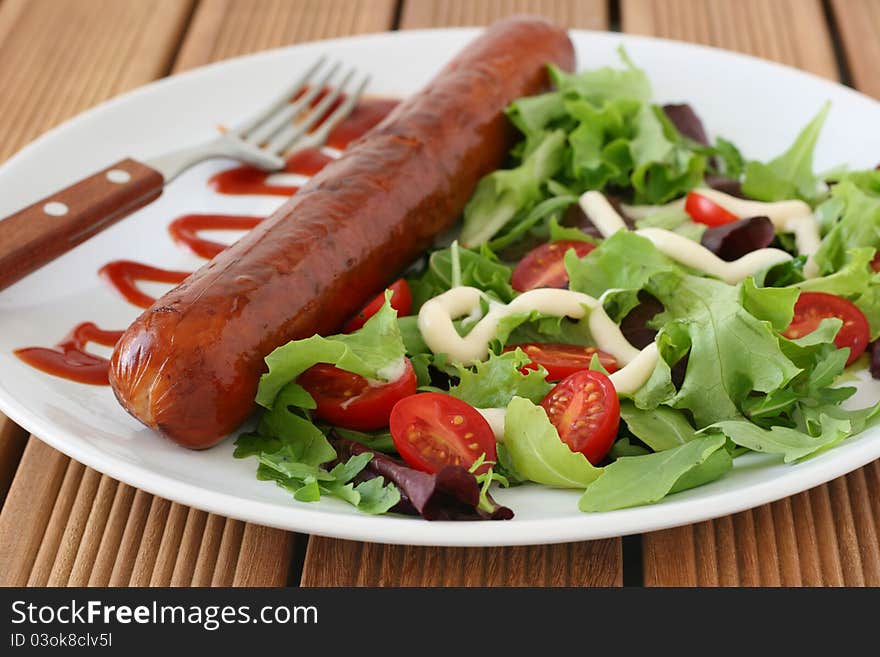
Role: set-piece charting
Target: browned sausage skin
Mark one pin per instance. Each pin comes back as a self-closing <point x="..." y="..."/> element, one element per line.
<point x="189" y="365"/>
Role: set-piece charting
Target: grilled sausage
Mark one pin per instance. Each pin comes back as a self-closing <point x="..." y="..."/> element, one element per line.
<point x="189" y="365"/>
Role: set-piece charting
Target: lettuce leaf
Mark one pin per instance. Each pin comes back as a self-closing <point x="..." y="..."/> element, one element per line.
<point x="853" y="216"/>
<point x="537" y="452"/>
<point x="369" y="351"/>
<point x="732" y="352"/>
<point x="294" y="462"/>
<point x="789" y="175"/>
<point x="659" y="428"/>
<point x="624" y="263"/>
<point x="790" y="443"/>
<point x="476" y="268"/>
<point x="503" y="193"/>
<point x="606" y="83"/>
<point x="494" y="382"/>
<point x="636" y="480"/>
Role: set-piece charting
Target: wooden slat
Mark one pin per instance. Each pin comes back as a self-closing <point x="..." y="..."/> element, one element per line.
<point x="27" y="510"/>
<point x="12" y="443"/>
<point x="59" y="57"/>
<point x="828" y="535"/>
<point x="331" y="562"/>
<point x="227" y="28"/>
<point x="793" y="32"/>
<point x="859" y="24"/>
<point x="582" y="14"/>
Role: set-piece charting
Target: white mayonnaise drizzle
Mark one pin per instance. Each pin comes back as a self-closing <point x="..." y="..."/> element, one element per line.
<point x="437" y="314"/>
<point x="787" y="217"/>
<point x="680" y="248"/>
<point x="601" y="213"/>
<point x="689" y="253"/>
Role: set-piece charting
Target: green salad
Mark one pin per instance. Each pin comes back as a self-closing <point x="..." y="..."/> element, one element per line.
<point x="627" y="308"/>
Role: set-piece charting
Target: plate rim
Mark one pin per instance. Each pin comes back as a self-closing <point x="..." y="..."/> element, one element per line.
<point x="407" y="530"/>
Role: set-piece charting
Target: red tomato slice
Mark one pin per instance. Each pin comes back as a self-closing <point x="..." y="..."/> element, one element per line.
<point x="347" y="400"/>
<point x="401" y="301"/>
<point x="704" y="211"/>
<point x="432" y="430"/>
<point x="562" y="360"/>
<point x="544" y="266"/>
<point x="585" y="411"/>
<point x="875" y="261"/>
<point x="812" y="307"/>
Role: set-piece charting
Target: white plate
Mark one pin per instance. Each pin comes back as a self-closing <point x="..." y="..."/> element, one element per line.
<point x="758" y="104"/>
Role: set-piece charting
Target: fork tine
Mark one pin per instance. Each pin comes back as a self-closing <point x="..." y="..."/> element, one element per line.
<point x="319" y="136"/>
<point x="281" y="100"/>
<point x="285" y="138"/>
<point x="287" y="113"/>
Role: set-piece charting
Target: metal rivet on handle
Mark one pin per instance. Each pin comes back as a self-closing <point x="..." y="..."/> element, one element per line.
<point x="118" y="176"/>
<point x="55" y="209"/>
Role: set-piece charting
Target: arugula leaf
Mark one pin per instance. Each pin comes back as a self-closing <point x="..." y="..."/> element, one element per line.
<point x="636" y="480"/>
<point x="659" y="428"/>
<point x="790" y="443"/>
<point x="537" y="452"/>
<point x="790" y="175"/>
<point x="732" y="352"/>
<point x="370" y="351"/>
<point x="494" y="382"/>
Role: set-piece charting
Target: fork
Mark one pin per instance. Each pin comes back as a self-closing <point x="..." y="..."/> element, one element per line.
<point x="39" y="233"/>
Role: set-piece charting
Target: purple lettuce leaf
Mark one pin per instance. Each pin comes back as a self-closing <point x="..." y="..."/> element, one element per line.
<point x="734" y="240"/>
<point x="874" y="348"/>
<point x="451" y="494"/>
<point x="725" y="185"/>
<point x="686" y="121"/>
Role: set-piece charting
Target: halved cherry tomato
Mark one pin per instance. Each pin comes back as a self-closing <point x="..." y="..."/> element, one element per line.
<point x="585" y="411"/>
<point x="707" y="212"/>
<point x="812" y="307"/>
<point x="401" y="301"/>
<point x="545" y="267"/>
<point x="875" y="261"/>
<point x="431" y="430"/>
<point x="562" y="360"/>
<point x="348" y="400"/>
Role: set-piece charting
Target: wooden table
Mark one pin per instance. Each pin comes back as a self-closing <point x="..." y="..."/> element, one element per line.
<point x="64" y="524"/>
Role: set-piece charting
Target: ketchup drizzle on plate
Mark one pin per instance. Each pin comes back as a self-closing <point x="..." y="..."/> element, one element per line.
<point x="69" y="358"/>
<point x="124" y="274"/>
<point x="185" y="231"/>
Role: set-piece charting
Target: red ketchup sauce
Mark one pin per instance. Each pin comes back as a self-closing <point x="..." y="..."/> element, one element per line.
<point x="307" y="162"/>
<point x="185" y="231"/>
<point x="69" y="358"/>
<point x="122" y="275"/>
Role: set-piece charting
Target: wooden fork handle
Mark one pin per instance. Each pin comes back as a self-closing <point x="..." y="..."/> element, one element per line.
<point x="41" y="232"/>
